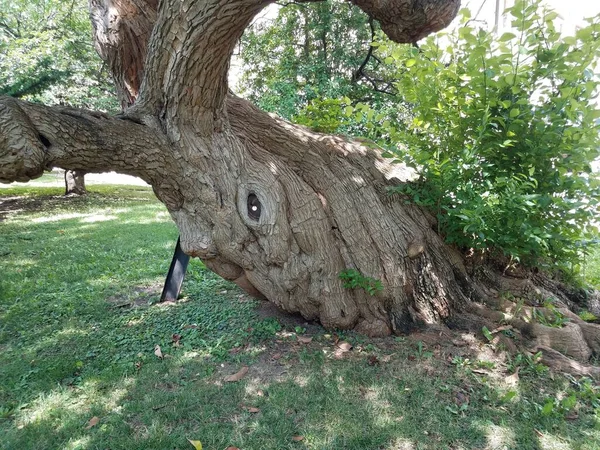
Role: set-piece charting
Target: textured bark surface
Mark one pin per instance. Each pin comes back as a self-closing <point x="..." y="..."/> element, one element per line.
<point x="75" y="182"/>
<point x="276" y="208"/>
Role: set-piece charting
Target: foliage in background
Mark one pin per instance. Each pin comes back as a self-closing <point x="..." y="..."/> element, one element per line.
<point x="311" y="52"/>
<point x="46" y="55"/>
<point x="503" y="131"/>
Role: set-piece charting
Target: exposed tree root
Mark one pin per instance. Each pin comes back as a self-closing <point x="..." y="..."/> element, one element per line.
<point x="539" y="313"/>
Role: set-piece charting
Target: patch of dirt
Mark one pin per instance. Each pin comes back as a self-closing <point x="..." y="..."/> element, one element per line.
<point x="18" y="204"/>
<point x="137" y="297"/>
<point x="267" y="310"/>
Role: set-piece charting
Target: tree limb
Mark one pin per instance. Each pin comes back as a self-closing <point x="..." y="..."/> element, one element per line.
<point x="34" y="138"/>
<point x="407" y="21"/>
<point x="187" y="46"/>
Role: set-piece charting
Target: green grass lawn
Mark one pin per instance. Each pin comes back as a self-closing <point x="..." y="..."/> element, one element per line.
<point x="80" y="325"/>
<point x="591" y="266"/>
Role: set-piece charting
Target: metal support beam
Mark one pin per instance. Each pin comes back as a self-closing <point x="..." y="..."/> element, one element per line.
<point x="176" y="275"/>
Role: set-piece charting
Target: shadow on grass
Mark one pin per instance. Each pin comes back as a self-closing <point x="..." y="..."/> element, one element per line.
<point x="78" y="337"/>
<point x="330" y="404"/>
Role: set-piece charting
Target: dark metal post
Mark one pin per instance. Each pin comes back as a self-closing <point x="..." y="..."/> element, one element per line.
<point x="176" y="275"/>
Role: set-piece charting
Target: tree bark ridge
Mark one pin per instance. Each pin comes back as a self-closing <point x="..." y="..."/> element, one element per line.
<point x="37" y="137"/>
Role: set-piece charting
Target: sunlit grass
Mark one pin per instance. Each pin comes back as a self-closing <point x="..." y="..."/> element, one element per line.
<point x="80" y="322"/>
<point x="592" y="266"/>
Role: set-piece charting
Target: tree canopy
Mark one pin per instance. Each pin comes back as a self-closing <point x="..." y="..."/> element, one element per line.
<point x="46" y="55"/>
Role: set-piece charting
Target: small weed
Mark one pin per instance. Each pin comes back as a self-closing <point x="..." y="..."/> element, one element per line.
<point x="421" y="351"/>
<point x="354" y="279"/>
<point x="266" y="329"/>
<point x="487" y="333"/>
<point x="587" y="316"/>
<point x="528" y="364"/>
<point x="489" y="365"/>
<point x="551" y="317"/>
<point x="461" y="362"/>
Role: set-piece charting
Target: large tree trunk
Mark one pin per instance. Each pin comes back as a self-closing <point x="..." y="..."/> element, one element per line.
<point x="276" y="208"/>
<point x="75" y="182"/>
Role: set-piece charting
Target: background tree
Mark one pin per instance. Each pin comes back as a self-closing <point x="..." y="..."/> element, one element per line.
<point x="46" y="56"/>
<point x="308" y="52"/>
<point x="314" y="60"/>
<point x="278" y="209"/>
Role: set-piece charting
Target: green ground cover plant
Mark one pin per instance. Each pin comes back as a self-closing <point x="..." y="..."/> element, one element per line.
<point x="90" y="360"/>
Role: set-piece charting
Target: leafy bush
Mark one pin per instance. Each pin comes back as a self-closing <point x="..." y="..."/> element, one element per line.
<point x="503" y="131"/>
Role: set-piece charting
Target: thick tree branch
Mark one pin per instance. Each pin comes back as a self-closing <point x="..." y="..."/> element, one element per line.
<point x="410" y="20"/>
<point x="122" y="30"/>
<point x="34" y="137"/>
<point x="187" y="46"/>
<point x="189" y="57"/>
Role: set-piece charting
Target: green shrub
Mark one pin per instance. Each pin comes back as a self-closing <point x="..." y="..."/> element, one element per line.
<point x="502" y="130"/>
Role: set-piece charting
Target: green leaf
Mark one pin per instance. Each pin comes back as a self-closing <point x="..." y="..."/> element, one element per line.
<point x="507" y="37"/>
<point x="514" y="113"/>
<point x="508" y="396"/>
<point x="411" y="62"/>
<point x="548" y="408"/>
<point x="488" y="335"/>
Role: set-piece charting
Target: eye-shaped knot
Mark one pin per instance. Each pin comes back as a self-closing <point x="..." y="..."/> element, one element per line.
<point x="254" y="207"/>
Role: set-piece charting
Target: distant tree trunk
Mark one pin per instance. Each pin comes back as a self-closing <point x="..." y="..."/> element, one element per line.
<point x="276" y="208"/>
<point x="75" y="182"/>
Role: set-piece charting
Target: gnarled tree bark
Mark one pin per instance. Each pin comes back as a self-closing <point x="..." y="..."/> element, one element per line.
<point x="274" y="207"/>
<point x="75" y="182"/>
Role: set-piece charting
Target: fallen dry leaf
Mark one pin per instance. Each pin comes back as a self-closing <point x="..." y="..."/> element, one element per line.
<point x="338" y="354"/>
<point x="512" y="380"/>
<point x="372" y="360"/>
<point x="158" y="352"/>
<point x="304" y="339"/>
<point x="232" y="448"/>
<point x="387" y="358"/>
<point x="502" y="328"/>
<point x="197" y="444"/>
<point x="253" y="410"/>
<point x="572" y="415"/>
<point x="237" y="376"/>
<point x="92" y="422"/>
<point x="175" y="339"/>
<point x="277" y="356"/>
<point x="460" y="398"/>
<point x="297" y="438"/>
<point x="344" y="346"/>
